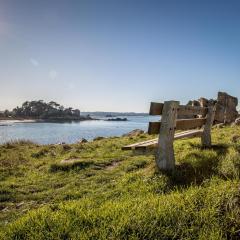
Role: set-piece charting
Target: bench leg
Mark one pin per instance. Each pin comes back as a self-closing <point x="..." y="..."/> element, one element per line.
<point x="165" y="153"/>
<point x="206" y="136"/>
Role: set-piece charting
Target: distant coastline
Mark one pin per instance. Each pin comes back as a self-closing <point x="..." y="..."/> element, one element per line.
<point x="40" y="111"/>
<point x="113" y="114"/>
<point x="49" y="120"/>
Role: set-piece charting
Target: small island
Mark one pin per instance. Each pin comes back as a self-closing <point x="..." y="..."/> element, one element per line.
<point x="117" y="119"/>
<point x="40" y="111"/>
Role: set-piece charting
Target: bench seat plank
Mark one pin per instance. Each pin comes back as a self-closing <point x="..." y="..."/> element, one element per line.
<point x="153" y="142"/>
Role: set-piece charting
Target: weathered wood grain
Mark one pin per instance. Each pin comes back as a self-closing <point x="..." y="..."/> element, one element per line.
<point x="191" y="110"/>
<point x="154" y="127"/>
<point x="156" y="108"/>
<point x="132" y="146"/>
<point x="153" y="142"/>
<point x="185" y="124"/>
<point x="188" y="134"/>
<point x="206" y="136"/>
<point x="165" y="153"/>
<point x="169" y="123"/>
<point x="181" y="124"/>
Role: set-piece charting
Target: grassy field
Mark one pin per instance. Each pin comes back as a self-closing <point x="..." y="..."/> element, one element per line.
<point x="97" y="191"/>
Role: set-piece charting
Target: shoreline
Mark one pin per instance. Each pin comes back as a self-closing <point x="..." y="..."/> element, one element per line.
<point x="19" y="120"/>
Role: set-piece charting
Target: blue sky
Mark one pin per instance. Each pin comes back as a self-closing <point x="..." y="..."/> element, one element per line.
<point x="117" y="55"/>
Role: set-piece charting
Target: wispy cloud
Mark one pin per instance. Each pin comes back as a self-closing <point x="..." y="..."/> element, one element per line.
<point x="53" y="74"/>
<point x="34" y="62"/>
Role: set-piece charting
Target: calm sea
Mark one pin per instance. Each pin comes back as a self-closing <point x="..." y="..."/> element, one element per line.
<point x="48" y="133"/>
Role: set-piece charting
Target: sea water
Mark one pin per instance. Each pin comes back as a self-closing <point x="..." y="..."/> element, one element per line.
<point x="51" y="133"/>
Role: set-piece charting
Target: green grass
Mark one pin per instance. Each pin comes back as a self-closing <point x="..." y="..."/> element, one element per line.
<point x="102" y="192"/>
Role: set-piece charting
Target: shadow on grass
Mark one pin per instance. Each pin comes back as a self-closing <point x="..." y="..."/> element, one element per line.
<point x="218" y="148"/>
<point x="145" y="152"/>
<point x="197" y="167"/>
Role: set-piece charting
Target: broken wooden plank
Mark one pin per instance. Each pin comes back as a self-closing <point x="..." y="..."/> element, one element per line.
<point x="181" y="124"/>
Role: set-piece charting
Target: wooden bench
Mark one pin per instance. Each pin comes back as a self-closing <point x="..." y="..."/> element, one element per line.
<point x="170" y="110"/>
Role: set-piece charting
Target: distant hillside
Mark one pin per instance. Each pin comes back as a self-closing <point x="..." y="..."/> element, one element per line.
<point x="113" y="114"/>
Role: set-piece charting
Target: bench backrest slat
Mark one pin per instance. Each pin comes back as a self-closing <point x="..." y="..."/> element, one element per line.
<point x="157" y="108"/>
<point x="191" y="110"/>
<point x="181" y="124"/>
<point x="186" y="124"/>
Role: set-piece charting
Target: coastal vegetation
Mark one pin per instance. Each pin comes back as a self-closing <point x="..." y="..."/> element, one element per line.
<point x="41" y="110"/>
<point x="94" y="190"/>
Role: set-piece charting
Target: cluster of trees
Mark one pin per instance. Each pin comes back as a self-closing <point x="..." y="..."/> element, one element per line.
<point x="42" y="110"/>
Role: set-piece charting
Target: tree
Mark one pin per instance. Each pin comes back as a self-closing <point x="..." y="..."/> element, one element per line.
<point x="42" y="110"/>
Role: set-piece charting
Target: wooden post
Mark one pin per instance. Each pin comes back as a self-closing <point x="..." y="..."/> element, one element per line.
<point x="165" y="153"/>
<point x="206" y="136"/>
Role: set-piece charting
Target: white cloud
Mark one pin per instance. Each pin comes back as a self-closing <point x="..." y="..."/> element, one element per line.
<point x="34" y="62"/>
<point x="53" y="74"/>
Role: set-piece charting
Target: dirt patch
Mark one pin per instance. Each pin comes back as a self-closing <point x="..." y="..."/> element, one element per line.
<point x="113" y="165"/>
<point x="71" y="164"/>
<point x="96" y="166"/>
<point x="70" y="160"/>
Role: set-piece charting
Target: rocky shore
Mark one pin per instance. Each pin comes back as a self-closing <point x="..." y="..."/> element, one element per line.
<point x="226" y="107"/>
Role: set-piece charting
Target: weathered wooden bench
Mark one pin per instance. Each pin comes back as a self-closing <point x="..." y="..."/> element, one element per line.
<point x="170" y="110"/>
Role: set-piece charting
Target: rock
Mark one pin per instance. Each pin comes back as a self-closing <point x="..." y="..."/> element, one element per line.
<point x="203" y="102"/>
<point x="190" y="103"/>
<point x="219" y="125"/>
<point x="235" y="138"/>
<point x="70" y="160"/>
<point x="117" y="119"/>
<point x="66" y="147"/>
<point x="5" y="209"/>
<point x="133" y="133"/>
<point x="83" y="140"/>
<point x="237" y="121"/>
<point x="226" y="108"/>
<point x="98" y="138"/>
<point x="19" y="204"/>
<point x="195" y="103"/>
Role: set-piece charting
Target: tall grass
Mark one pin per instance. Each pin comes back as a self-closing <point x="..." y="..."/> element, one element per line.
<point x="95" y="198"/>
